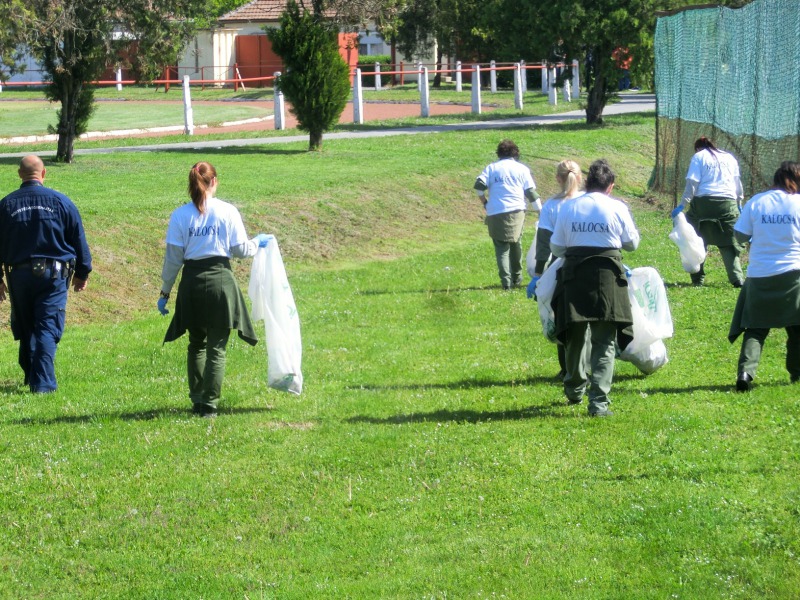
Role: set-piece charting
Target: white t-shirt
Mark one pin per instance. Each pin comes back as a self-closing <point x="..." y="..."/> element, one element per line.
<point x="594" y="220"/>
<point x="772" y="219"/>
<point x="507" y="181"/>
<point x="549" y="213"/>
<point x="716" y="174"/>
<point x="211" y="233"/>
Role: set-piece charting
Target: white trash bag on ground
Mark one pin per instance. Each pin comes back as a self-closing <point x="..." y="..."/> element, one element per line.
<point x="273" y="303"/>
<point x="545" y="288"/>
<point x="652" y="320"/>
<point x="530" y="258"/>
<point x="690" y="245"/>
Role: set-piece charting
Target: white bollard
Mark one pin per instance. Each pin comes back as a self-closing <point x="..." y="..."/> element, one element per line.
<point x="424" y="94"/>
<point x="518" y="86"/>
<point x="524" y="77"/>
<point x="476" y="90"/>
<point x="119" y="79"/>
<point x="552" y="97"/>
<point x="377" y="76"/>
<point x="188" y="117"/>
<point x="576" y="80"/>
<point x="419" y="82"/>
<point x="279" y="109"/>
<point x="493" y="77"/>
<point x="545" y="87"/>
<point x="458" y="76"/>
<point x="358" y="99"/>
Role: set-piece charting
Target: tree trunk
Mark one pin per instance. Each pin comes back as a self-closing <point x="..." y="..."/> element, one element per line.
<point x="314" y="140"/>
<point x="437" y="79"/>
<point x="596" y="102"/>
<point x="67" y="120"/>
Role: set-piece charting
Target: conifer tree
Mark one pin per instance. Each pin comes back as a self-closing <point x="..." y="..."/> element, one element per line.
<point x="316" y="81"/>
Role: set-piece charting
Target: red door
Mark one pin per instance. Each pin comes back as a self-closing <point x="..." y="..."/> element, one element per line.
<point x="255" y="58"/>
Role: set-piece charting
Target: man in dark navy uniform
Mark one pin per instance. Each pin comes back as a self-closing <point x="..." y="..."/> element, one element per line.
<point x="42" y="247"/>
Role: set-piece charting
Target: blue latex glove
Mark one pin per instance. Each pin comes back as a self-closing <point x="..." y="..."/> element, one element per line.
<point x="263" y="240"/>
<point x="532" y="287"/>
<point x="677" y="210"/>
<point x="162" y="306"/>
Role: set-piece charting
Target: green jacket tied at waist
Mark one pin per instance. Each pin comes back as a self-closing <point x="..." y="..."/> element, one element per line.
<point x="208" y="296"/>
<point x="591" y="286"/>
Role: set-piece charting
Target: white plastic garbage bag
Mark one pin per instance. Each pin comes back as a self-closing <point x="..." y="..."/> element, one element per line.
<point x="545" y="288"/>
<point x="650" y="359"/>
<point x="690" y="245"/>
<point x="530" y="258"/>
<point x="652" y="320"/>
<point x="273" y="303"/>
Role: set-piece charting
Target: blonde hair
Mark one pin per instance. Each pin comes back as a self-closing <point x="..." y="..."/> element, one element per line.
<point x="570" y="177"/>
<point x="200" y="178"/>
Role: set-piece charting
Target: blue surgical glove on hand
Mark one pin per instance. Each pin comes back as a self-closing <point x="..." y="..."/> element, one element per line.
<point x="532" y="287"/>
<point x="263" y="240"/>
<point x="162" y="306"/>
<point x="677" y="210"/>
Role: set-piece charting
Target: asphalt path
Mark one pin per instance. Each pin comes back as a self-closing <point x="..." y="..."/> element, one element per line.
<point x="629" y="103"/>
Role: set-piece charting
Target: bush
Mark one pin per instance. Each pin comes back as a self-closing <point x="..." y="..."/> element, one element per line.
<point x="367" y="66"/>
<point x="317" y="80"/>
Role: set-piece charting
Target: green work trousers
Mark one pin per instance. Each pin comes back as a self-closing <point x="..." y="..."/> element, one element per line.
<point x="733" y="266"/>
<point x="713" y="219"/>
<point x="603" y="335"/>
<point x="753" y="343"/>
<point x="206" y="365"/>
<point x="509" y="262"/>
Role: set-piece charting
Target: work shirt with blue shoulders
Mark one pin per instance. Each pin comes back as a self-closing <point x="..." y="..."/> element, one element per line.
<point x="39" y="222"/>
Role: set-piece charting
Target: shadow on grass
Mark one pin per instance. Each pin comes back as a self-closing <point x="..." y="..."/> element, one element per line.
<point x="465" y="384"/>
<point x="554" y="409"/>
<point x="691" y="389"/>
<point x="470" y="384"/>
<point x="11" y="386"/>
<point x="225" y="149"/>
<point x="713" y="285"/>
<point x="479" y="288"/>
<point x="145" y="415"/>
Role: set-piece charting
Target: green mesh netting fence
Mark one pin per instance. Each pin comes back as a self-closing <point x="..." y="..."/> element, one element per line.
<point x="733" y="76"/>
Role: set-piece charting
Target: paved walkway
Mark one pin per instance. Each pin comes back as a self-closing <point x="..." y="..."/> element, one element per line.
<point x="630" y="103"/>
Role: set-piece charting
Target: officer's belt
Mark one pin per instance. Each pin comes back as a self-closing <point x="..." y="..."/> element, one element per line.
<point x="49" y="264"/>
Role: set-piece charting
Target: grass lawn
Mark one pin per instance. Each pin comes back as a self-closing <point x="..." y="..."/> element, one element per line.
<point x="29" y="117"/>
<point x="431" y="454"/>
<point x="24" y="112"/>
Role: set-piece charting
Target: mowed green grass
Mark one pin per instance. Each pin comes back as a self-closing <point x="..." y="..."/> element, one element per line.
<point x="24" y="112"/>
<point x="431" y="454"/>
<point x="30" y="117"/>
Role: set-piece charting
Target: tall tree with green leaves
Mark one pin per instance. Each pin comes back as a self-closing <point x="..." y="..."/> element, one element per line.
<point x="460" y="28"/>
<point x="589" y="32"/>
<point x="316" y="80"/>
<point x="77" y="40"/>
<point x="13" y="15"/>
